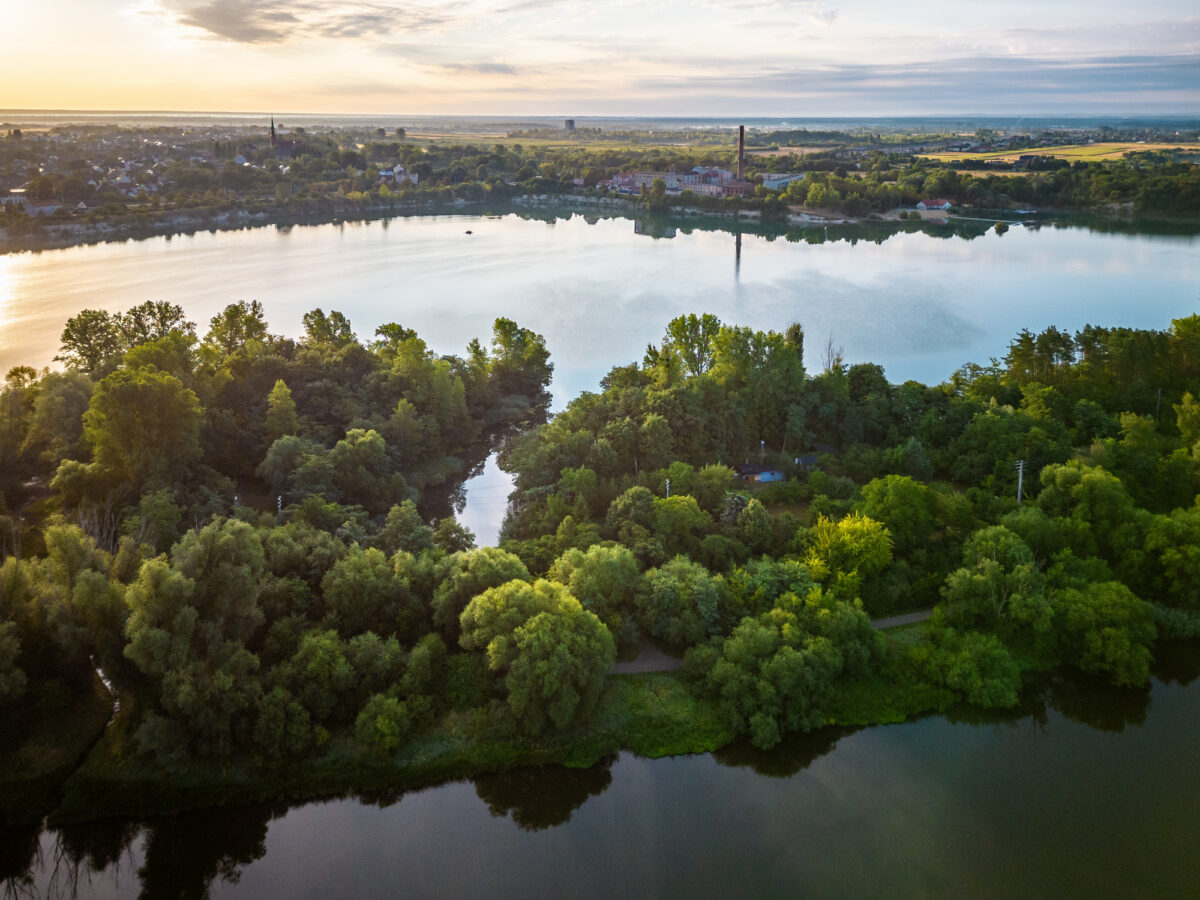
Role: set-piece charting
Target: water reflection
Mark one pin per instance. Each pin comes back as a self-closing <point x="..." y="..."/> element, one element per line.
<point x="18" y="857"/>
<point x="1177" y="662"/>
<point x="544" y="796"/>
<point x="795" y="753"/>
<point x="480" y="498"/>
<point x="945" y="798"/>
<point x="184" y="855"/>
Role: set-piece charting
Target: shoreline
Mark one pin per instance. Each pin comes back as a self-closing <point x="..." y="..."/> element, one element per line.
<point x="52" y="235"/>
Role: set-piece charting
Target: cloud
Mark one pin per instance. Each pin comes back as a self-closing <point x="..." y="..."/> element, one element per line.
<point x="974" y="81"/>
<point x="278" y="21"/>
<point x="486" y="68"/>
<point x="815" y="11"/>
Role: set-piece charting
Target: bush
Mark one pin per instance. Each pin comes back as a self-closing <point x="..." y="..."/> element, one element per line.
<point x="383" y="724"/>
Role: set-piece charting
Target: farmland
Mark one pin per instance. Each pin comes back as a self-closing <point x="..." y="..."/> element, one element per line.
<point x="1072" y="152"/>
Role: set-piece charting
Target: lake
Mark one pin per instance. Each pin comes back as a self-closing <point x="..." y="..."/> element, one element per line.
<point x="918" y="304"/>
<point x="1086" y="790"/>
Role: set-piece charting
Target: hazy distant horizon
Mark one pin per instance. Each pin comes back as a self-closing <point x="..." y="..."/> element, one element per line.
<point x="400" y="119"/>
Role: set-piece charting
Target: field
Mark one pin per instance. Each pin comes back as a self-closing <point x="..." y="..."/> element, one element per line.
<point x="487" y="139"/>
<point x="785" y="151"/>
<point x="1089" y="152"/>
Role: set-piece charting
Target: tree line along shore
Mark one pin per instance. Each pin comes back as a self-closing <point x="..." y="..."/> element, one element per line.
<point x="77" y="184"/>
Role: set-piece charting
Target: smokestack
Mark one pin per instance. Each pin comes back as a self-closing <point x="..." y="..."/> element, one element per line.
<point x="741" y="148"/>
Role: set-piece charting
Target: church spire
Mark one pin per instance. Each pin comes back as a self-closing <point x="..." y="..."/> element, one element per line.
<point x="272" y="129"/>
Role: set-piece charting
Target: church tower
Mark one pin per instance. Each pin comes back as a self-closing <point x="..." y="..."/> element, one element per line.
<point x="272" y="131"/>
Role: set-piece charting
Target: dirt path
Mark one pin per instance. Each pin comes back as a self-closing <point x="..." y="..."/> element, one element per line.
<point x="906" y="619"/>
<point x="649" y="659"/>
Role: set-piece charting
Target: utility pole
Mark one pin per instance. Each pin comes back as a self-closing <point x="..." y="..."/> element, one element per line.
<point x="1020" y="467"/>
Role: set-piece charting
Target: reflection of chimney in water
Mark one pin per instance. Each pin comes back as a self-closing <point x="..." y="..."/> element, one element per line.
<point x="741" y="148"/>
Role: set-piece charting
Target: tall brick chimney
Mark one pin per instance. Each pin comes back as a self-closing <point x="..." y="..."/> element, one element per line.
<point x="741" y="148"/>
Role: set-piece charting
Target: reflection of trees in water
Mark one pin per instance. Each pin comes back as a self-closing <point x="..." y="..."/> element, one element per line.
<point x="543" y="796"/>
<point x="1176" y="662"/>
<point x="20" y="853"/>
<point x="1086" y="699"/>
<point x="84" y="851"/>
<point x="70" y="866"/>
<point x="184" y="854"/>
<point x="1091" y="701"/>
<point x="795" y="753"/>
<point x="450" y="499"/>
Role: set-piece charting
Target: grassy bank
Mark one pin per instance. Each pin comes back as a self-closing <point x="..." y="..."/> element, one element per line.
<point x="652" y="715"/>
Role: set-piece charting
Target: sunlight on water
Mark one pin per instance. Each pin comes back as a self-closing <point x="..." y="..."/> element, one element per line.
<point x="919" y="305"/>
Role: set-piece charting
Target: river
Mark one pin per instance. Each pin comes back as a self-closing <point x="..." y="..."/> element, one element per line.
<point x="1086" y="790"/>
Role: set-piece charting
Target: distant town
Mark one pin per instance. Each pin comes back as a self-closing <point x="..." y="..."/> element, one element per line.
<point x="65" y="183"/>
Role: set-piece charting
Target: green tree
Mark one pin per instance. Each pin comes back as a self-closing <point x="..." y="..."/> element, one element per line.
<point x="281" y="412"/>
<point x="692" y="337"/>
<point x="775" y="672"/>
<point x="466" y="574"/>
<point x="91" y="342"/>
<point x="520" y="361"/>
<point x="383" y="724"/>
<point x="552" y="653"/>
<point x="404" y="529"/>
<point x="557" y="672"/>
<point x="363" y="593"/>
<point x="905" y="507"/>
<point x="236" y="326"/>
<point x="605" y="580"/>
<point x="680" y="602"/>
<point x="143" y="424"/>
<point x="1106" y="630"/>
<point x="680" y="523"/>
<point x="999" y="587"/>
<point x="844" y="552"/>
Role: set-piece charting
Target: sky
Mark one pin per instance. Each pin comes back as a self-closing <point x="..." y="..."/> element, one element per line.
<point x="605" y="57"/>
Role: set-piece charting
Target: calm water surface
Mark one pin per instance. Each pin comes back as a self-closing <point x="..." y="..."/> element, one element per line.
<point x="1087" y="791"/>
<point x="919" y="305"/>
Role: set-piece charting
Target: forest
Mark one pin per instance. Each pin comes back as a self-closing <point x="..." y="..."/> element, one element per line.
<point x="230" y="534"/>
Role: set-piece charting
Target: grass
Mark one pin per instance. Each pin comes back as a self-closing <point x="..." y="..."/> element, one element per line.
<point x="1071" y="152"/>
<point x="879" y="700"/>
